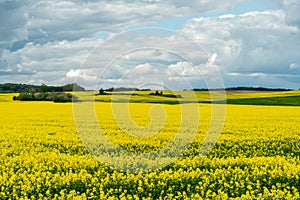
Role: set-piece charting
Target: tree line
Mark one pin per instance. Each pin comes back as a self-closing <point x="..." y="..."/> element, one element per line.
<point x="21" y="88"/>
<point x="245" y="88"/>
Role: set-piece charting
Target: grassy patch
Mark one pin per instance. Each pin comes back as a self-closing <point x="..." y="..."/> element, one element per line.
<point x="272" y="101"/>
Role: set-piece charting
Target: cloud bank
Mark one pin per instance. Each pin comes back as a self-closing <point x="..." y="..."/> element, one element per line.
<point x="48" y="41"/>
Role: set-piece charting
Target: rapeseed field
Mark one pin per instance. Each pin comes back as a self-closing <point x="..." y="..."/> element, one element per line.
<point x="42" y="156"/>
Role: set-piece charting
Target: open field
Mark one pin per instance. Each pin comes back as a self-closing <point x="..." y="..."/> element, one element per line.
<point x="256" y="156"/>
<point x="289" y="98"/>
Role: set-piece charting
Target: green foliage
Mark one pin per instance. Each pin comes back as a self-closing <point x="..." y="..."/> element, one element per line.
<point x="271" y="101"/>
<point x="63" y="98"/>
<point x="72" y="87"/>
<point x="20" y="88"/>
<point x="47" y="96"/>
<point x="102" y="92"/>
<point x="24" y="97"/>
<point x="169" y="94"/>
<point x="43" y="88"/>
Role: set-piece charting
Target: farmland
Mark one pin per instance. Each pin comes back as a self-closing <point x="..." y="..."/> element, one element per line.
<point x="256" y="157"/>
<point x="288" y="98"/>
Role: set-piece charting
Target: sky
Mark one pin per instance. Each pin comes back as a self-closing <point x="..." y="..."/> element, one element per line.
<point x="151" y="43"/>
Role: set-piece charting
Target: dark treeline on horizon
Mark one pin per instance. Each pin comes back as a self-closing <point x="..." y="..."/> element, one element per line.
<point x="21" y="88"/>
<point x="124" y="89"/>
<point x="245" y="89"/>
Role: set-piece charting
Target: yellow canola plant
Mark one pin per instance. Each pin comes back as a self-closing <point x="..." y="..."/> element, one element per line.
<point x="42" y="156"/>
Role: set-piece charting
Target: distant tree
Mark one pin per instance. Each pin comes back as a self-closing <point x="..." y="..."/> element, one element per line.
<point x="25" y="97"/>
<point x="61" y="98"/>
<point x="47" y="96"/>
<point x="41" y="96"/>
<point x="31" y="90"/>
<point x="157" y="93"/>
<point x="101" y="91"/>
<point x="72" y="87"/>
<point x="43" y="88"/>
<point x="68" y="87"/>
<point x="110" y="89"/>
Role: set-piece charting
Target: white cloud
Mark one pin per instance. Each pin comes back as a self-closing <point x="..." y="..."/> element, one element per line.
<point x="44" y="21"/>
<point x="253" y="46"/>
<point x="181" y="68"/>
<point x="73" y="73"/>
<point x="294" y="66"/>
<point x="34" y="32"/>
<point x="49" y="57"/>
<point x="81" y="73"/>
<point x="291" y="8"/>
<point x="212" y="59"/>
<point x="250" y="42"/>
<point x="144" y="69"/>
<point x="247" y="74"/>
<point x="227" y="16"/>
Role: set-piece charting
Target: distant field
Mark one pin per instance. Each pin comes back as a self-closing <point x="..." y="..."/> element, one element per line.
<point x="288" y="98"/>
<point x="6" y="97"/>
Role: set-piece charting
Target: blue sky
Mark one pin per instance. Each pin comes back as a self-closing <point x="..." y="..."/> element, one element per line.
<point x="246" y="42"/>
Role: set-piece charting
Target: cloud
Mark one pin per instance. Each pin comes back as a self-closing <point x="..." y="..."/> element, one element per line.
<point x="254" y="47"/>
<point x="81" y="73"/>
<point x="34" y="32"/>
<point x="181" y="74"/>
<point x="73" y="73"/>
<point x="13" y="21"/>
<point x="250" y="42"/>
<point x="247" y="74"/>
<point x="280" y="80"/>
<point x="226" y="16"/>
<point x="294" y="66"/>
<point x="11" y="64"/>
<point x="291" y="8"/>
<point x="144" y="69"/>
<point x="48" y="21"/>
<point x="212" y="59"/>
<point x="263" y="75"/>
<point x="49" y="57"/>
<point x="51" y="38"/>
<point x="181" y="68"/>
